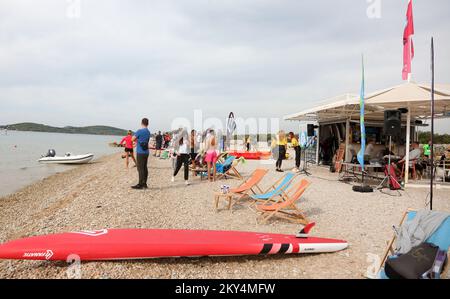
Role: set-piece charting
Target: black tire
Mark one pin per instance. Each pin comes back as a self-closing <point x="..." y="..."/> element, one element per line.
<point x="363" y="189"/>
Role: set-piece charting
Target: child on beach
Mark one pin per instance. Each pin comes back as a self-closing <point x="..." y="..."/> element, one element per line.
<point x="211" y="154"/>
<point x="127" y="141"/>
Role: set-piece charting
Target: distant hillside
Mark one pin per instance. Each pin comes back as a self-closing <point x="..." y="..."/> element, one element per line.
<point x="93" y="130"/>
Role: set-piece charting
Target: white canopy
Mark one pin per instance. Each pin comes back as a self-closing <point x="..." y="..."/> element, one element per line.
<point x="412" y="96"/>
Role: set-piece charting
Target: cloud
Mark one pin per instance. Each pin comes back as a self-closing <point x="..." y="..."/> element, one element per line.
<point x="122" y="60"/>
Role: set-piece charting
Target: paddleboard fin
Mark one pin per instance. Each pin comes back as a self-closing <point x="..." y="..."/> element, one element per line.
<point x="304" y="233"/>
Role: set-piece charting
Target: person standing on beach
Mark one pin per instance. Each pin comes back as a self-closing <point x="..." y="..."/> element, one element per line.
<point x="248" y="143"/>
<point x="298" y="151"/>
<point x="127" y="141"/>
<point x="370" y="149"/>
<point x="142" y="137"/>
<point x="166" y="140"/>
<point x="427" y="150"/>
<point x="279" y="146"/>
<point x="158" y="145"/>
<point x="194" y="147"/>
<point x="211" y="155"/>
<point x="182" y="159"/>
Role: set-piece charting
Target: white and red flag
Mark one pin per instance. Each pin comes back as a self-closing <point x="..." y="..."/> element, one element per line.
<point x="408" y="47"/>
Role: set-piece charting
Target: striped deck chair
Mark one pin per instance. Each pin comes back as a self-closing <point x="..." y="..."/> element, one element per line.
<point x="286" y="209"/>
<point x="248" y="187"/>
<point x="276" y="190"/>
<point x="441" y="238"/>
<point x="227" y="170"/>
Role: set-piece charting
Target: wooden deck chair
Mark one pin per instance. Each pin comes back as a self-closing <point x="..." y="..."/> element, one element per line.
<point x="226" y="169"/>
<point x="436" y="238"/>
<point x="286" y="209"/>
<point x="275" y="191"/>
<point x="248" y="187"/>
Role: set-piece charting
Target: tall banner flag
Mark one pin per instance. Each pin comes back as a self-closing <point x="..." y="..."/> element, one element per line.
<point x="360" y="155"/>
<point x="231" y="127"/>
<point x="408" y="46"/>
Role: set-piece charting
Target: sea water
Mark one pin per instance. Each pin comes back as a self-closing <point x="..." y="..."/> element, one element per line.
<point x="19" y="152"/>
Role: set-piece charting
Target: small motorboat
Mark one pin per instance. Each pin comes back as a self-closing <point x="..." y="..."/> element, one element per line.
<point x="68" y="158"/>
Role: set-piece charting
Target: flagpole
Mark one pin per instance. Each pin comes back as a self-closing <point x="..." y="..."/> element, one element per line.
<point x="432" y="124"/>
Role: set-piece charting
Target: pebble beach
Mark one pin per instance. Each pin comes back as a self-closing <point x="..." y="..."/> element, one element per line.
<point x="98" y="195"/>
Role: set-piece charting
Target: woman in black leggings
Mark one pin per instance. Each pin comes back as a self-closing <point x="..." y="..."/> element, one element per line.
<point x="298" y="151"/>
<point x="279" y="145"/>
<point x="182" y="160"/>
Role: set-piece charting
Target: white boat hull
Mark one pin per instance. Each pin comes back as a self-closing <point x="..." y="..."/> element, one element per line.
<point x="76" y="159"/>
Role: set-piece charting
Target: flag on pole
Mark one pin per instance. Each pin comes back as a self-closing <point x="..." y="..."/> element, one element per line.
<point x="408" y="46"/>
<point x="360" y="155"/>
<point x="231" y="127"/>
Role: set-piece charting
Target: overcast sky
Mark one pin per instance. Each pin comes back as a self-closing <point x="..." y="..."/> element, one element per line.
<point x="112" y="62"/>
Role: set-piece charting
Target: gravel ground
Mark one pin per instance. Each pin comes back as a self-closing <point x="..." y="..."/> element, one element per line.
<point x="97" y="195"/>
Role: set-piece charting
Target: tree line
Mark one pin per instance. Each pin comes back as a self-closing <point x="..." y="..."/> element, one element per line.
<point x="424" y="137"/>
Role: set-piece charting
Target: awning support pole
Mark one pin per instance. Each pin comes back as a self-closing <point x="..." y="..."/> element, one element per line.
<point x="347" y="140"/>
<point x="317" y="145"/>
<point x="408" y="137"/>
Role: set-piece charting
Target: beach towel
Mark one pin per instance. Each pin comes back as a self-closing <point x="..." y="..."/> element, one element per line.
<point x="418" y="230"/>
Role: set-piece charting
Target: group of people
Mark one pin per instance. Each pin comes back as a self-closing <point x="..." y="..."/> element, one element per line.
<point x="186" y="148"/>
<point x="279" y="149"/>
<point x="185" y="151"/>
<point x="419" y="159"/>
<point x="162" y="141"/>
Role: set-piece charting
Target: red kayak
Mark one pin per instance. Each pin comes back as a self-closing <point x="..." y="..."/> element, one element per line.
<point x="251" y="155"/>
<point x="119" y="244"/>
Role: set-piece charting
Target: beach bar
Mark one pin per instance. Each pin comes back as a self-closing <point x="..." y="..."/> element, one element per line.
<point x="338" y="118"/>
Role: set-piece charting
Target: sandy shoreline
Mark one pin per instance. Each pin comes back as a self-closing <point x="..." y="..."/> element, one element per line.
<point x="98" y="196"/>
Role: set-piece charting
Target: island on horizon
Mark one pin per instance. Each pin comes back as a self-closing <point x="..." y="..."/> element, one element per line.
<point x="90" y="130"/>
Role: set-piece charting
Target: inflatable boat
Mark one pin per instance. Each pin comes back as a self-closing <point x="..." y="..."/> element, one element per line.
<point x="67" y="159"/>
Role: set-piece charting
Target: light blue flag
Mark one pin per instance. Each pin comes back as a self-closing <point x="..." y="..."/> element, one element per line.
<point x="361" y="120"/>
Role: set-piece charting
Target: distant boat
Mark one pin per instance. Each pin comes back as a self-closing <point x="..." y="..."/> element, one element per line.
<point x="67" y="159"/>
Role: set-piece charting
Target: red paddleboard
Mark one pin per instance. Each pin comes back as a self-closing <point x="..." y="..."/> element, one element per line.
<point x="118" y="244"/>
<point x="251" y="155"/>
